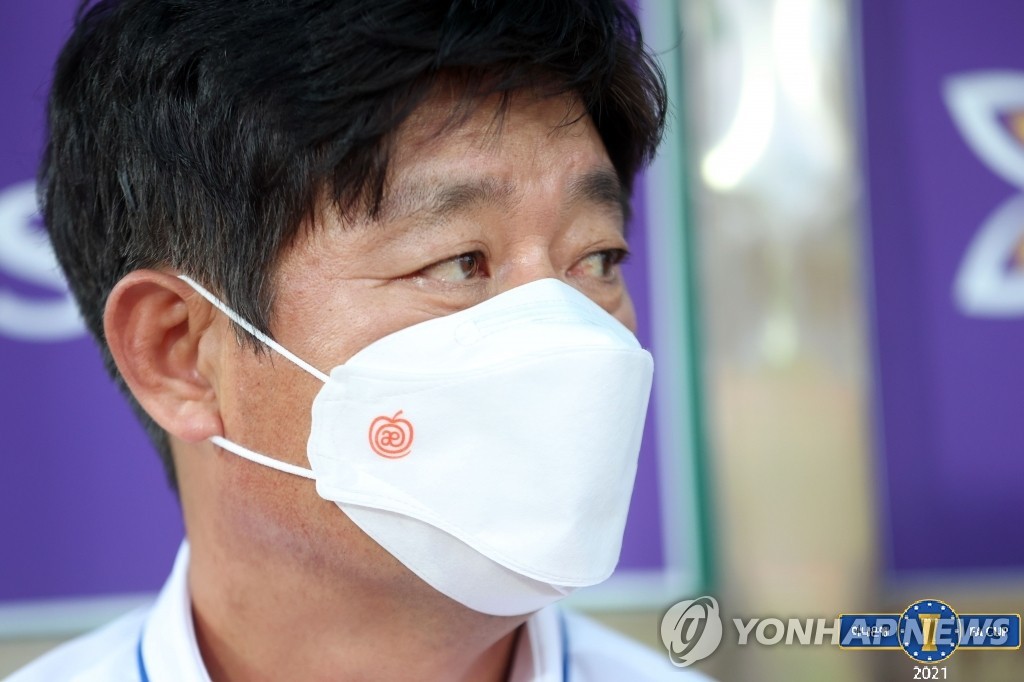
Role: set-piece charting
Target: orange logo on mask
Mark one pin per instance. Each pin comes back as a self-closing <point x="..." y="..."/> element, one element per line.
<point x="391" y="437"/>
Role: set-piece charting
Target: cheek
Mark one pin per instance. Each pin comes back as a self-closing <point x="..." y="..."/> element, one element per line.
<point x="626" y="313"/>
<point x="266" y="405"/>
<point x="329" y="327"/>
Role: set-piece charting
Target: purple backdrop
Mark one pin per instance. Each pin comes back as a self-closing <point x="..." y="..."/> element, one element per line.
<point x="84" y="509"/>
<point x="949" y="331"/>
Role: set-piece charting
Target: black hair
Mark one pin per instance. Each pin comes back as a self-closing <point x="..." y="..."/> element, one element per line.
<point x="199" y="135"/>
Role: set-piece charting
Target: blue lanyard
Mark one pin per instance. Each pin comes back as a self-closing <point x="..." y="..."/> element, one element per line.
<point x="143" y="675"/>
<point x="562" y="626"/>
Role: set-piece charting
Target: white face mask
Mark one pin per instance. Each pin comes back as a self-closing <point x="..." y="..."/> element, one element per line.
<point x="491" y="451"/>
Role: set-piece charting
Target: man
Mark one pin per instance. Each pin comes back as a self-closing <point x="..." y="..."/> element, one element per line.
<point x="427" y="197"/>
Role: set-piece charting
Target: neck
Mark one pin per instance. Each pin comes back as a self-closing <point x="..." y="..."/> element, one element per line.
<point x="265" y="620"/>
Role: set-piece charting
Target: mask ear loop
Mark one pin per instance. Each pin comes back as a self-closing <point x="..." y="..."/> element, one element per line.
<point x="246" y="453"/>
<point x="260" y="336"/>
<point x="231" y="446"/>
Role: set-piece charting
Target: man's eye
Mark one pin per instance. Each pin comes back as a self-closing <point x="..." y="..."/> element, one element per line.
<point x="601" y="264"/>
<point x="461" y="268"/>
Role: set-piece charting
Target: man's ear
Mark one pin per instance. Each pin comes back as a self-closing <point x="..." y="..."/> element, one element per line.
<point x="163" y="341"/>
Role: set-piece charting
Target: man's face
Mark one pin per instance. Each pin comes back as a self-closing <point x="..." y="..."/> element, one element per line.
<point x="469" y="213"/>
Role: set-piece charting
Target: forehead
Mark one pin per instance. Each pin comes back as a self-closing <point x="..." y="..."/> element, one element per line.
<point x="500" y="151"/>
<point x="513" y="126"/>
<point x="449" y="116"/>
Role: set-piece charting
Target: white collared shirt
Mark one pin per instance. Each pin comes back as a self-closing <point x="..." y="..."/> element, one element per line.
<point x="158" y="644"/>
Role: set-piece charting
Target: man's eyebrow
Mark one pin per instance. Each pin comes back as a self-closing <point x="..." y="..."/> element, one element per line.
<point x="601" y="187"/>
<point x="439" y="200"/>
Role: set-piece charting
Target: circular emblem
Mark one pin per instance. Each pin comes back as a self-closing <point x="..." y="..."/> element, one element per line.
<point x="929" y="631"/>
<point x="691" y="630"/>
<point x="391" y="437"/>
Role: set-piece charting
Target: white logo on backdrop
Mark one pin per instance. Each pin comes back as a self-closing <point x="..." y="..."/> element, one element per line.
<point x="691" y="630"/>
<point x="988" y="108"/>
<point x="26" y="256"/>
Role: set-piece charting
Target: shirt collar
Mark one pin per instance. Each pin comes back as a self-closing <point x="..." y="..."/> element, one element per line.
<point x="169" y="651"/>
<point x="540" y="651"/>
